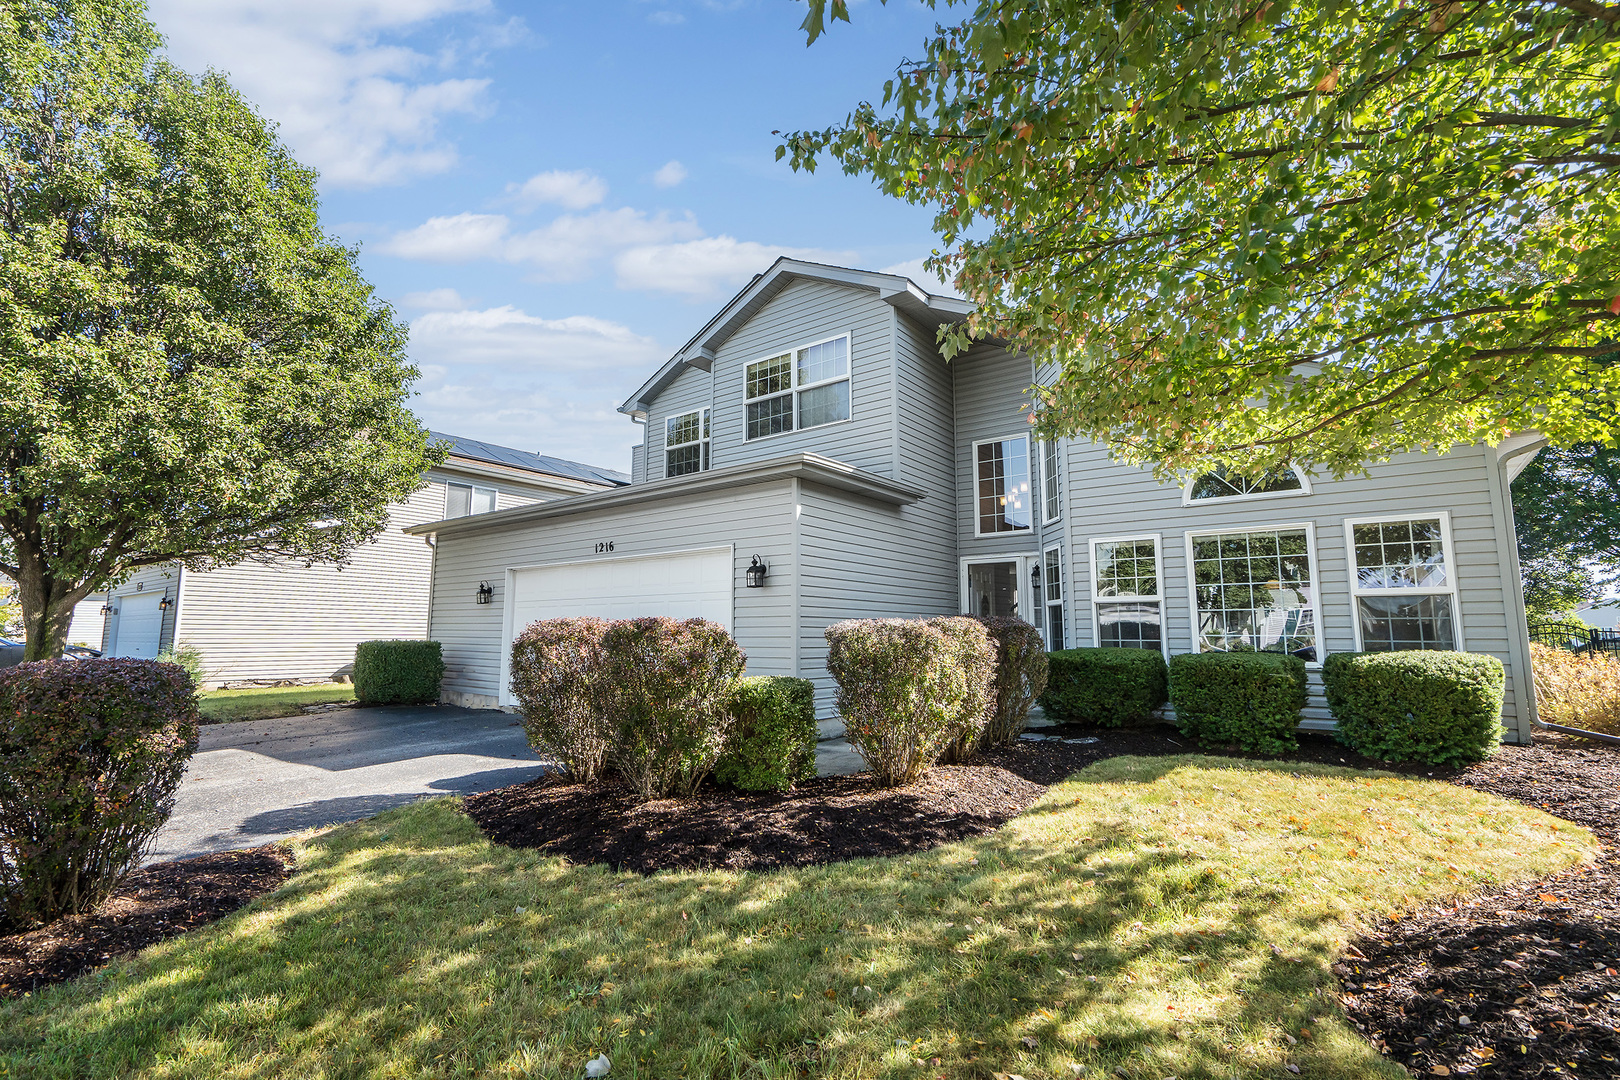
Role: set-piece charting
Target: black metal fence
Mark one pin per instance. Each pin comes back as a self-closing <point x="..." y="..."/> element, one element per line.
<point x="1579" y="639"/>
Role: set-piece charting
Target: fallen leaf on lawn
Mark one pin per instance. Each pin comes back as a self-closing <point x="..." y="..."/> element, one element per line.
<point x="1483" y="1052"/>
<point x="1547" y="898"/>
<point x="1440" y="1070"/>
<point x="830" y="994"/>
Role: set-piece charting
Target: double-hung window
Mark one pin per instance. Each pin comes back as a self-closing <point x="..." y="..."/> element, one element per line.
<point x="1404" y="587"/>
<point x="1255" y="591"/>
<point x="1052" y="585"/>
<point x="461" y="500"/>
<point x="686" y="443"/>
<point x="804" y="387"/>
<point x="1127" y="599"/>
<point x="1051" y="480"/>
<point x="1001" y="470"/>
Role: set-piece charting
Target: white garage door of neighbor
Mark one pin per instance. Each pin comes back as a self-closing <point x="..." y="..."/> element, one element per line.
<point x="140" y="626"/>
<point x="691" y="585"/>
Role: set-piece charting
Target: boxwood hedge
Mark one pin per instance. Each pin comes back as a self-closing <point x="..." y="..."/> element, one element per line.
<point x="773" y="742"/>
<point x="397" y="672"/>
<point x="1108" y="687"/>
<point x="1444" y="708"/>
<point x="1251" y="700"/>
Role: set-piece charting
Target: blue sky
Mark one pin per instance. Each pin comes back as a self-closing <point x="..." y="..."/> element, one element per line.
<point x="556" y="196"/>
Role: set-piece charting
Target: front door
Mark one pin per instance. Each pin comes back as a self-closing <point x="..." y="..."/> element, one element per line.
<point x="996" y="587"/>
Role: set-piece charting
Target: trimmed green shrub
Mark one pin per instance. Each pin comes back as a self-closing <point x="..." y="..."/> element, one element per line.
<point x="560" y="679"/>
<point x="91" y="752"/>
<point x="773" y="742"/>
<point x="397" y="672"/>
<point x="907" y="688"/>
<point x="1108" y="687"/>
<point x="1444" y="708"/>
<point x="670" y="687"/>
<point x="1250" y="700"/>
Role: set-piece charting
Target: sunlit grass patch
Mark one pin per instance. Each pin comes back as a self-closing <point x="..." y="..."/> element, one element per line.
<point x="265" y="702"/>
<point x="1167" y="916"/>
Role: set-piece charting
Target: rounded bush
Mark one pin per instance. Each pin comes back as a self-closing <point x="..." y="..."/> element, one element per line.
<point x="402" y="672"/>
<point x="1021" y="675"/>
<point x="669" y="690"/>
<point x="909" y="688"/>
<point x="1250" y="700"/>
<point x="1443" y="708"/>
<point x="560" y="680"/>
<point x="1109" y="687"/>
<point x="91" y="752"/>
<point x="773" y="740"/>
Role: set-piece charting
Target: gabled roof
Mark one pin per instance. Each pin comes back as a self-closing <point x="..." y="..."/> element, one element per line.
<point x="475" y="450"/>
<point x="894" y="289"/>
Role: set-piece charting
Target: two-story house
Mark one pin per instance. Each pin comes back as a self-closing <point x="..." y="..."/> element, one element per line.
<point x="274" y="622"/>
<point x="809" y="457"/>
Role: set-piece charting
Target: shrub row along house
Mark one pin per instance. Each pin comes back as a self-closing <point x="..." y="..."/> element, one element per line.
<point x="257" y="622"/>
<point x="810" y="457"/>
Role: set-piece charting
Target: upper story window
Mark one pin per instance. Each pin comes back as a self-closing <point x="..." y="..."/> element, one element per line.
<point x="1225" y="484"/>
<point x="463" y="499"/>
<point x="686" y="443"/>
<point x="802" y="388"/>
<point x="1002" y="472"/>
<point x="1051" y="480"/>
<point x="1405" y="591"/>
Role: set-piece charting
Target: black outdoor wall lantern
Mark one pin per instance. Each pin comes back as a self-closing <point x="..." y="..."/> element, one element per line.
<point x="486" y="592"/>
<point x="108" y="609"/>
<point x="165" y="604"/>
<point x="756" y="574"/>
<point x="1035" y="576"/>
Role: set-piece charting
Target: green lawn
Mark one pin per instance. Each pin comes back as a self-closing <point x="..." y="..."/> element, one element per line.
<point x="261" y="703"/>
<point x="1166" y="916"/>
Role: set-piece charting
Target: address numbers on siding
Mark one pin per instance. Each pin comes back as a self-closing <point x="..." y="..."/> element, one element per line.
<point x="604" y="546"/>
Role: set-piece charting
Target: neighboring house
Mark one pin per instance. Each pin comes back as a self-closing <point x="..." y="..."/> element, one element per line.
<point x="255" y="622"/>
<point x="813" y="423"/>
<point x="1601" y="615"/>
<point x="88" y="619"/>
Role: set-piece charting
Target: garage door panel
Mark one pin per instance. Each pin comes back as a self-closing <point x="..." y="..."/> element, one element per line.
<point x="685" y="586"/>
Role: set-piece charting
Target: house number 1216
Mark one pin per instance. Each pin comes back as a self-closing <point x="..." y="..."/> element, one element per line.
<point x="604" y="546"/>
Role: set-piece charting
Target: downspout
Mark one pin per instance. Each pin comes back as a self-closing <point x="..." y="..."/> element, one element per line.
<point x="432" y="541"/>
<point x="1515" y="583"/>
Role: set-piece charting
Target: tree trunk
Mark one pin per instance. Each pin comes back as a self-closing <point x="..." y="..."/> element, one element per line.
<point x="47" y="609"/>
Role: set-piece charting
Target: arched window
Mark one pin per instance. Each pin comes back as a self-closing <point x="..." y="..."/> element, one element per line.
<point x="1226" y="484"/>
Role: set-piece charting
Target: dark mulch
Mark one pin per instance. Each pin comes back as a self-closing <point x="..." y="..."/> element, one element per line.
<point x="827" y="819"/>
<point x="154" y="903"/>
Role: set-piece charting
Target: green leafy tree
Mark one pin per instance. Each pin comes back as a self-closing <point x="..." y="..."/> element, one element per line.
<point x="190" y="371"/>
<point x="1269" y="231"/>
<point x="1566" y="505"/>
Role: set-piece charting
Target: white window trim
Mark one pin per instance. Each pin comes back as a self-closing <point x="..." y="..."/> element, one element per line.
<point x="473" y="489"/>
<point x="1025" y="561"/>
<point x="1045" y="518"/>
<point x="1310" y="554"/>
<point x="1451" y="571"/>
<point x="1158" y="575"/>
<point x="1304" y="489"/>
<point x="1034" y="489"/>
<point x="795" y="390"/>
<point x="704" y="420"/>
<point x="1061" y="603"/>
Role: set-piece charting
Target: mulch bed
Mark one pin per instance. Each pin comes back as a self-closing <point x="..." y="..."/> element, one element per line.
<point x="154" y="903"/>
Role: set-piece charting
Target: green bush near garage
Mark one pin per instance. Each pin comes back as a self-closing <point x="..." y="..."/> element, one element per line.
<point x="398" y="672"/>
<point x="1109" y="687"/>
<point x="1443" y="708"/>
<point x="773" y="740"/>
<point x="1250" y="700"/>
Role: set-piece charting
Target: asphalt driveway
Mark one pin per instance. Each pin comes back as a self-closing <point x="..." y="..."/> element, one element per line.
<point x="262" y="780"/>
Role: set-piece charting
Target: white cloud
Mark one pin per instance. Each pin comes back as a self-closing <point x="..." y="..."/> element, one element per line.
<point x="564" y="249"/>
<point x="570" y="190"/>
<point x="670" y="174"/>
<point x="927" y="281"/>
<point x="703" y="268"/>
<point x="457" y="238"/>
<point x="349" y="98"/>
<point x="434" y="300"/>
<point x="548" y="385"/>
<point x="666" y="18"/>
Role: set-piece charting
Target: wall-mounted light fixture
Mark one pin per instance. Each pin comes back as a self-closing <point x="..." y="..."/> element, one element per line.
<point x="486" y="592"/>
<point x="1035" y="576"/>
<point x="756" y="574"/>
<point x="165" y="604"/>
<point x="108" y="609"/>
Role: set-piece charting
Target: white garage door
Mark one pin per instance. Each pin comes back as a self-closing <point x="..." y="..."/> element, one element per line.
<point x="139" y="626"/>
<point x="691" y="585"/>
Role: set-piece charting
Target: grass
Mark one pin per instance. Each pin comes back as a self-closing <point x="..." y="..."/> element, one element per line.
<point x="1165" y="916"/>
<point x="264" y="702"/>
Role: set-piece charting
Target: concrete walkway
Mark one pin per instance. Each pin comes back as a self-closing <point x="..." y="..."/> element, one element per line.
<point x="262" y="780"/>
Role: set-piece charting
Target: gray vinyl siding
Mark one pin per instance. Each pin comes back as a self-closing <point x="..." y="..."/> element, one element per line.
<point x="164" y="579"/>
<point x="1107" y="499"/>
<point x="755" y="519"/>
<point x="508" y="493"/>
<point x="992" y="386"/>
<point x="637" y="456"/>
<point x="925" y="430"/>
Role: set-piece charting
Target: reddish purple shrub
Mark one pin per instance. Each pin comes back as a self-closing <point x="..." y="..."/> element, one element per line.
<point x="1021" y="671"/>
<point x="91" y="752"/>
<point x="908" y="688"/>
<point x="671" y="686"/>
<point x="560" y="678"/>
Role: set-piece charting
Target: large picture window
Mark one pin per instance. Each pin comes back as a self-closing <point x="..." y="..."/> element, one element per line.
<point x="1404" y="587"/>
<point x="1127" y="599"/>
<point x="461" y="500"/>
<point x="1255" y="590"/>
<point x="1052" y="586"/>
<point x="686" y="443"/>
<point x="802" y="388"/>
<point x="1001" y="470"/>
<point x="1051" y="481"/>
